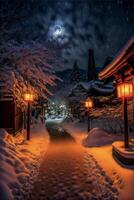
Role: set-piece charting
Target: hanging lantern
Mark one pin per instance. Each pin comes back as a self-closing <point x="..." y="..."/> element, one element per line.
<point x="125" y="90"/>
<point x="89" y="103"/>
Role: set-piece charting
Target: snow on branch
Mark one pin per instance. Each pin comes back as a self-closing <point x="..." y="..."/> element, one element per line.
<point x="27" y="67"/>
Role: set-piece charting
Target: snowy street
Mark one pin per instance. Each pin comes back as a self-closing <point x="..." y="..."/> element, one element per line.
<point x="68" y="172"/>
<point x="67" y="100"/>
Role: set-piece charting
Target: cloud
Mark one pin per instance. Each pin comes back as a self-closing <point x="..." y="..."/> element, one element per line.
<point x="104" y="26"/>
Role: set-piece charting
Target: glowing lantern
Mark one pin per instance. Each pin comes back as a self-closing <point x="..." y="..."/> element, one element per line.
<point x="125" y="90"/>
<point x="88" y="103"/>
<point x="29" y="97"/>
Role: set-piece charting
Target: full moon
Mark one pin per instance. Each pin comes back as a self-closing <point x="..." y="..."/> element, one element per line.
<point x="58" y="31"/>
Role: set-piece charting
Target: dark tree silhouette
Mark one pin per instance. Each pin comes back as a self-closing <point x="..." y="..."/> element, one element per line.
<point x="76" y="73"/>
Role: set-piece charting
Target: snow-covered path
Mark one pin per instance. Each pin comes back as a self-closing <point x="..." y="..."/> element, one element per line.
<point x="68" y="172"/>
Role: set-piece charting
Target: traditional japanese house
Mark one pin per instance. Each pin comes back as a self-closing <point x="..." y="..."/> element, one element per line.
<point x="121" y="69"/>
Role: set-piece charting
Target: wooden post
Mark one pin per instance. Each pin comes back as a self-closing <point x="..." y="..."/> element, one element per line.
<point x="28" y="121"/>
<point x="132" y="101"/>
<point x="125" y="115"/>
<point x="88" y="121"/>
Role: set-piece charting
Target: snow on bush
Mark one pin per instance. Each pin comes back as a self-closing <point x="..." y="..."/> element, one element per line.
<point x="97" y="137"/>
<point x="15" y="166"/>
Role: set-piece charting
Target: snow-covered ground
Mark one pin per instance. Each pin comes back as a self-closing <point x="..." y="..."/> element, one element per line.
<point x="122" y="176"/>
<point x="19" y="161"/>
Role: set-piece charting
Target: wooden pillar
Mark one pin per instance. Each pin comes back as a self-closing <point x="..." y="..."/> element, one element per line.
<point x="28" y="122"/>
<point x="125" y="116"/>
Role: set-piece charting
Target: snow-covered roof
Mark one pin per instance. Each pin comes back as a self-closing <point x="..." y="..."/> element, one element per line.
<point x="85" y="85"/>
<point x="119" y="61"/>
<point x="95" y="85"/>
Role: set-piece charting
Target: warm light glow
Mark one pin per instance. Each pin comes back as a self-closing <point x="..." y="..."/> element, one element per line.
<point x="88" y="103"/>
<point x="28" y="97"/>
<point x="125" y="90"/>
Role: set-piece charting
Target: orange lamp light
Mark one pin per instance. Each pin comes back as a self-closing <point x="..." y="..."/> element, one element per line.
<point x="28" y="97"/>
<point x="125" y="90"/>
<point x="88" y="103"/>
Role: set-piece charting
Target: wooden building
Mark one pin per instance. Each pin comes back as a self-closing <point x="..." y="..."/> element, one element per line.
<point x="11" y="117"/>
<point x="122" y="67"/>
<point x="121" y="70"/>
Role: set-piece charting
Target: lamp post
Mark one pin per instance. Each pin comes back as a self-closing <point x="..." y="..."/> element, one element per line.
<point x="88" y="105"/>
<point x="28" y="97"/>
<point x="124" y="91"/>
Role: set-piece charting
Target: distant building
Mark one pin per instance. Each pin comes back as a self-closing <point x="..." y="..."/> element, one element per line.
<point x="121" y="69"/>
<point x="82" y="90"/>
<point x="97" y="88"/>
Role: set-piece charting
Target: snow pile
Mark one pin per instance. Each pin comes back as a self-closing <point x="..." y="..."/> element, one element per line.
<point x="97" y="137"/>
<point x="16" y="164"/>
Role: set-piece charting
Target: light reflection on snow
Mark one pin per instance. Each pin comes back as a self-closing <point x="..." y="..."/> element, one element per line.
<point x="57" y="120"/>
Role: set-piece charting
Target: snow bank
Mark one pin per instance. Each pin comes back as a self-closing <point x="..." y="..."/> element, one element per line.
<point x="97" y="137"/>
<point x="121" y="175"/>
<point x="16" y="164"/>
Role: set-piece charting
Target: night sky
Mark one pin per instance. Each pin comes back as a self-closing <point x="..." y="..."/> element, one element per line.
<point x="75" y="25"/>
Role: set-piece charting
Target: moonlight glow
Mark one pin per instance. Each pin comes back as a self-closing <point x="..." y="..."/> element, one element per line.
<point x="58" y="33"/>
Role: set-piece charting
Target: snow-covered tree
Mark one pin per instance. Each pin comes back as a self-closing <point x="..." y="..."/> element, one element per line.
<point x="27" y="67"/>
<point x="76" y="73"/>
